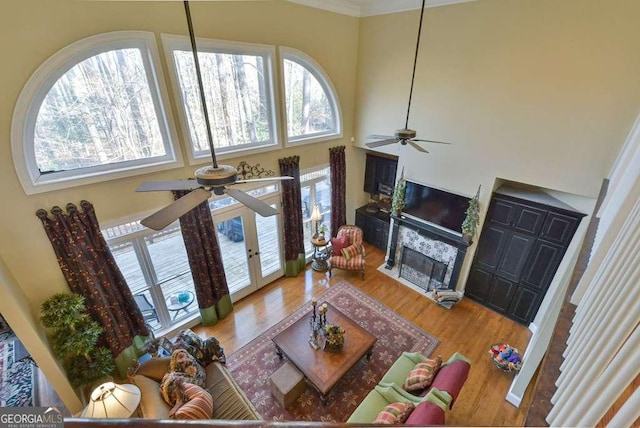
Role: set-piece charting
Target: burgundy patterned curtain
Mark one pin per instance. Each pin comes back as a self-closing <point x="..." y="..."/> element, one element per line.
<point x="338" y="168"/>
<point x="205" y="261"/>
<point x="91" y="271"/>
<point x="292" y="216"/>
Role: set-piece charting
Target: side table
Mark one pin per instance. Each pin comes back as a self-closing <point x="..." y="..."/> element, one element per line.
<point x="320" y="255"/>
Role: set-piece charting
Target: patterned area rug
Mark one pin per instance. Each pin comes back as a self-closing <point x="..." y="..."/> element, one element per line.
<point x="16" y="377"/>
<point x="253" y="364"/>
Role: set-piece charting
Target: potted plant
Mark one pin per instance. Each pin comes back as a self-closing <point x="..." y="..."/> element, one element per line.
<point x="397" y="203"/>
<point x="472" y="218"/>
<point x="334" y="338"/>
<point x="322" y="229"/>
<point x="73" y="338"/>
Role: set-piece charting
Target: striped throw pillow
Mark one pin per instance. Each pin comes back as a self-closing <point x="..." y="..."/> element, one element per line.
<point x="422" y="375"/>
<point x="394" y="413"/>
<point x="199" y="406"/>
<point x="351" y="251"/>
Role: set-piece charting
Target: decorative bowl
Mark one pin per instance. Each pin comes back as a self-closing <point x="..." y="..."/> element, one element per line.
<point x="505" y="357"/>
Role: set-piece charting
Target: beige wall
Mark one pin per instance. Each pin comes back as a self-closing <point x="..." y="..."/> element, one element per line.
<point x="536" y="91"/>
<point x="34" y="30"/>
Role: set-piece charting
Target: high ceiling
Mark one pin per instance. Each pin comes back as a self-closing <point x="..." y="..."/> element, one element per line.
<point x="372" y="7"/>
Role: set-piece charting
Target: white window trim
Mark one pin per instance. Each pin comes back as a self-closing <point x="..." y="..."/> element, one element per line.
<point x="322" y="77"/>
<point x="38" y="86"/>
<point x="267" y="52"/>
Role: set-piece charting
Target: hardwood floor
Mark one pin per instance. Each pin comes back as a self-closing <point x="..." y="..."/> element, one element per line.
<point x="468" y="328"/>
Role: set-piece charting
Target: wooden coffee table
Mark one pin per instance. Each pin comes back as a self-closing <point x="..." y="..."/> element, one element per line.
<point x="323" y="370"/>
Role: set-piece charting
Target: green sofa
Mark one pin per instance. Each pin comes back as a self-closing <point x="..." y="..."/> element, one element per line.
<point x="430" y="404"/>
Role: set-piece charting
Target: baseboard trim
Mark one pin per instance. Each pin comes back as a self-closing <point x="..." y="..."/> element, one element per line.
<point x="533" y="328"/>
<point x="514" y="399"/>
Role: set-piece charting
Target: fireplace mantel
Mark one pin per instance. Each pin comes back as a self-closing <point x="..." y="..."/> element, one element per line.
<point x="430" y="232"/>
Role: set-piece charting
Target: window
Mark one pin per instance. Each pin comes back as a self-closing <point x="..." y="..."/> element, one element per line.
<point x="156" y="268"/>
<point x="312" y="106"/>
<point x="93" y="108"/>
<point x="238" y="83"/>
<point x="315" y="189"/>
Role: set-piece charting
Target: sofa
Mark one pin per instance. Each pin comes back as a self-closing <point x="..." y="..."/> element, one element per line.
<point x="430" y="404"/>
<point x="229" y="401"/>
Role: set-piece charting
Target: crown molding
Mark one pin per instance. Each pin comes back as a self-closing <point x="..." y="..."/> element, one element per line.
<point x="362" y="8"/>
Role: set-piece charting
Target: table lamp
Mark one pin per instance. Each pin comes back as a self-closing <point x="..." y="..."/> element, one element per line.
<point x="111" y="400"/>
<point x="316" y="217"/>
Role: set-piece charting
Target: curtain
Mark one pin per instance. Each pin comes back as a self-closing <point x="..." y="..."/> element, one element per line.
<point x="205" y="261"/>
<point x="91" y="271"/>
<point x="338" y="169"/>
<point x="292" y="216"/>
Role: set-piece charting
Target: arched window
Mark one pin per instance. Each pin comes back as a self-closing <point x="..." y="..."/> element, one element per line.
<point x="311" y="102"/>
<point x="94" y="108"/>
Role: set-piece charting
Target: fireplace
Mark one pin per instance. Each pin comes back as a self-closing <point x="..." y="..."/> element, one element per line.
<point x="422" y="270"/>
<point x="433" y="256"/>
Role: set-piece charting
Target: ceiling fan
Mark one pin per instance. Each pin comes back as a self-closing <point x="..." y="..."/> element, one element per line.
<point x="406" y="136"/>
<point x="210" y="179"/>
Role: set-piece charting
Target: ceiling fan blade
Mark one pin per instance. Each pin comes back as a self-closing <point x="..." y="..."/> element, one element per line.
<point x="417" y="146"/>
<point x="430" y="141"/>
<point x="381" y="143"/>
<point x="380" y="137"/>
<point x="167" y="215"/>
<point x="155" y="186"/>
<point x="255" y="204"/>
<point x="255" y="180"/>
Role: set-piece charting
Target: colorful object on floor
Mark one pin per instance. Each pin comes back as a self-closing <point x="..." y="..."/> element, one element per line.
<point x="16" y="377"/>
<point x="253" y="365"/>
<point x="506" y="357"/>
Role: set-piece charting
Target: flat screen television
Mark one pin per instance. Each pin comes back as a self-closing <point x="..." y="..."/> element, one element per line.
<point x="435" y="206"/>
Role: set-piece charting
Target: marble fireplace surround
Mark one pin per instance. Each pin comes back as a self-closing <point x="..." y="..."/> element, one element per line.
<point x="439" y="244"/>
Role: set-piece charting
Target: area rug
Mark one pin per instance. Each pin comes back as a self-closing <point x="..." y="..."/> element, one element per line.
<point x="253" y="364"/>
<point x="16" y="377"/>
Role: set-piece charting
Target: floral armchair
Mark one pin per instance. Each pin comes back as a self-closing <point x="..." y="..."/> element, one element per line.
<point x="347" y="251"/>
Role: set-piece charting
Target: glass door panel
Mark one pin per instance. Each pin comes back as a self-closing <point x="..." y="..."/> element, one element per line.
<point x="269" y="244"/>
<point x="234" y="253"/>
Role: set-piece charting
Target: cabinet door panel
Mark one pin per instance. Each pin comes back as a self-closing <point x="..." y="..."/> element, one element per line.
<point x="370" y="185"/>
<point x="478" y="284"/>
<point x="492" y="242"/>
<point x="529" y="219"/>
<point x="501" y="294"/>
<point x="516" y="251"/>
<point x="542" y="264"/>
<point x="559" y="228"/>
<point x="501" y="211"/>
<point x="525" y="305"/>
<point x="361" y="221"/>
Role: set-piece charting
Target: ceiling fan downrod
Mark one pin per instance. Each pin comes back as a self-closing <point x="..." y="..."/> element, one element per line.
<point x="415" y="61"/>
<point x="203" y="100"/>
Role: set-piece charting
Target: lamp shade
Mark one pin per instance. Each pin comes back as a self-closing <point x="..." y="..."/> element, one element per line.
<point x="315" y="214"/>
<point x="111" y="400"/>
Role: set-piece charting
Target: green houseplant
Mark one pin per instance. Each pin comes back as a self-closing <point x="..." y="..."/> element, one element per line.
<point x="73" y="339"/>
<point x="397" y="203"/>
<point x="322" y="229"/>
<point x="472" y="219"/>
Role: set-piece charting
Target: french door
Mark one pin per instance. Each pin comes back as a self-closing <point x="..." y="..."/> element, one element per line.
<point x="251" y="248"/>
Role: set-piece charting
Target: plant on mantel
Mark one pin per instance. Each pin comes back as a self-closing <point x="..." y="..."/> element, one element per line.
<point x="472" y="219"/>
<point x="73" y="339"/>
